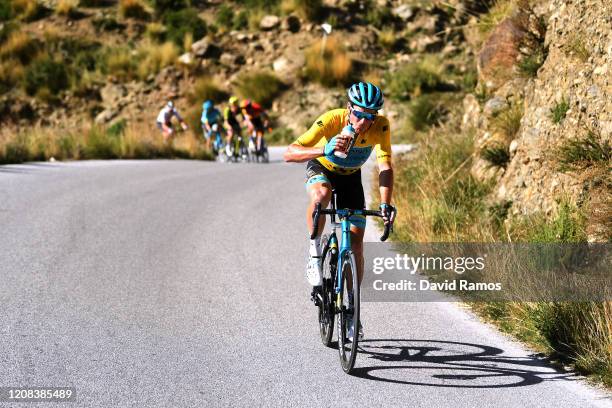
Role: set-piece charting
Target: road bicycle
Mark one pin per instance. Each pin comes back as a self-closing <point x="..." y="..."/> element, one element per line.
<point x="217" y="141"/>
<point x="238" y="150"/>
<point x="339" y="269"/>
<point x="260" y="155"/>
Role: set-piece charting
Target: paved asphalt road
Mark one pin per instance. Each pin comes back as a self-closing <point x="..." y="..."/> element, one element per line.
<point x="180" y="284"/>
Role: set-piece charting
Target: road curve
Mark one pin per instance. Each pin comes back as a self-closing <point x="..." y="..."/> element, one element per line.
<point x="180" y="284"/>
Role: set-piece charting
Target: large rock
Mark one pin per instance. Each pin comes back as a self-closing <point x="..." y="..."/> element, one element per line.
<point x="112" y="93"/>
<point x="499" y="54"/>
<point x="269" y="22"/>
<point x="105" y="116"/>
<point x="205" y="49"/>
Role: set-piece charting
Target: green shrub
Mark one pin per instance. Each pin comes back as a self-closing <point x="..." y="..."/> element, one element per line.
<point x="557" y="114"/>
<point x="581" y="153"/>
<point x="241" y="21"/>
<point x="508" y="121"/>
<point x="101" y="145"/>
<point x="529" y="64"/>
<point x="567" y="226"/>
<point x="206" y="88"/>
<point x="46" y="73"/>
<point x="133" y="9"/>
<point x="179" y="23"/>
<point x="497" y="155"/>
<point x="118" y="62"/>
<point x="261" y="87"/>
<point x="225" y="17"/>
<point x="168" y="6"/>
<point x="424" y="112"/>
<point x="6" y="10"/>
<point x="377" y="16"/>
<point x="117" y="129"/>
<point x="415" y="78"/>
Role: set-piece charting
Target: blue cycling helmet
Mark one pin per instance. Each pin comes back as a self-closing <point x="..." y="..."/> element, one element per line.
<point x="366" y="95"/>
<point x="208" y="105"/>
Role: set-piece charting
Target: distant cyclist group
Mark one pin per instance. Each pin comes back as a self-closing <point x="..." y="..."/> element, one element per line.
<point x="222" y="132"/>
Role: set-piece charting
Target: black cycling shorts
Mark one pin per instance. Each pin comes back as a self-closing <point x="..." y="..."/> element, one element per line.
<point x="257" y="124"/>
<point x="349" y="190"/>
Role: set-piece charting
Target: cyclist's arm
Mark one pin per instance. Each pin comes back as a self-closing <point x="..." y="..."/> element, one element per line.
<point x="385" y="181"/>
<point x="385" y="168"/>
<point x="309" y="145"/>
<point x="298" y="154"/>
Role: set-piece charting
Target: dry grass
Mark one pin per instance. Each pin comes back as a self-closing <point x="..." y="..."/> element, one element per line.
<point x="66" y="8"/>
<point x="331" y="65"/>
<point x="26" y="9"/>
<point x="306" y="9"/>
<point x="136" y="141"/>
<point x="387" y="39"/>
<point x="11" y="72"/>
<point x="154" y="57"/>
<point x="19" y="46"/>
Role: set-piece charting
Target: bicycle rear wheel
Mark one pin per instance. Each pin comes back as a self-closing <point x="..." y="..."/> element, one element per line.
<point x="348" y="312"/>
<point x="327" y="308"/>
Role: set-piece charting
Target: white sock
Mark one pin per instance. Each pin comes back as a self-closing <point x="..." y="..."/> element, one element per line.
<point x="314" y="249"/>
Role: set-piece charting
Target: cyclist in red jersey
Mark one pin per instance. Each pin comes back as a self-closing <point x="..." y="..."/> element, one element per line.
<point x="256" y="120"/>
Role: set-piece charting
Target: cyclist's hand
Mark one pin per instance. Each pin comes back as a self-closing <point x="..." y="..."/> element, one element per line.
<point x="336" y="143"/>
<point x="388" y="212"/>
<point x="184" y="126"/>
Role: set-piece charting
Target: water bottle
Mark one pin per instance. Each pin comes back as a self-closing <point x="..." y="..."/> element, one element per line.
<point x="347" y="131"/>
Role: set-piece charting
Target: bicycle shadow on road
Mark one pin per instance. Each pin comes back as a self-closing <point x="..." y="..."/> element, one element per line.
<point x="451" y="364"/>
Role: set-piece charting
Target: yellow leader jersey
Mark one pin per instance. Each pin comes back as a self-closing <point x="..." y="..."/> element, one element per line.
<point x="331" y="124"/>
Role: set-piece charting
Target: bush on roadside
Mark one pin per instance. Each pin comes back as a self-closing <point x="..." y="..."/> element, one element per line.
<point x="261" y="87"/>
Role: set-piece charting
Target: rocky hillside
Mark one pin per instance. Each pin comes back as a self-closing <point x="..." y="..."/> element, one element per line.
<point x="562" y="107"/>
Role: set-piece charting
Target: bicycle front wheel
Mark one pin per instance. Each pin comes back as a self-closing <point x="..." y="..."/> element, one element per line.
<point x="348" y="303"/>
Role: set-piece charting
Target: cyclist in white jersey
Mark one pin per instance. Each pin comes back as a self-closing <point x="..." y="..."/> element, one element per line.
<point x="164" y="120"/>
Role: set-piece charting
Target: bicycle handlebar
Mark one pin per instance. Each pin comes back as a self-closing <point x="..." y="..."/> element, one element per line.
<point x="316" y="214"/>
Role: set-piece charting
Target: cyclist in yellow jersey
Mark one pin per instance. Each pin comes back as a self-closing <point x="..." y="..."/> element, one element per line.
<point x="322" y="147"/>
